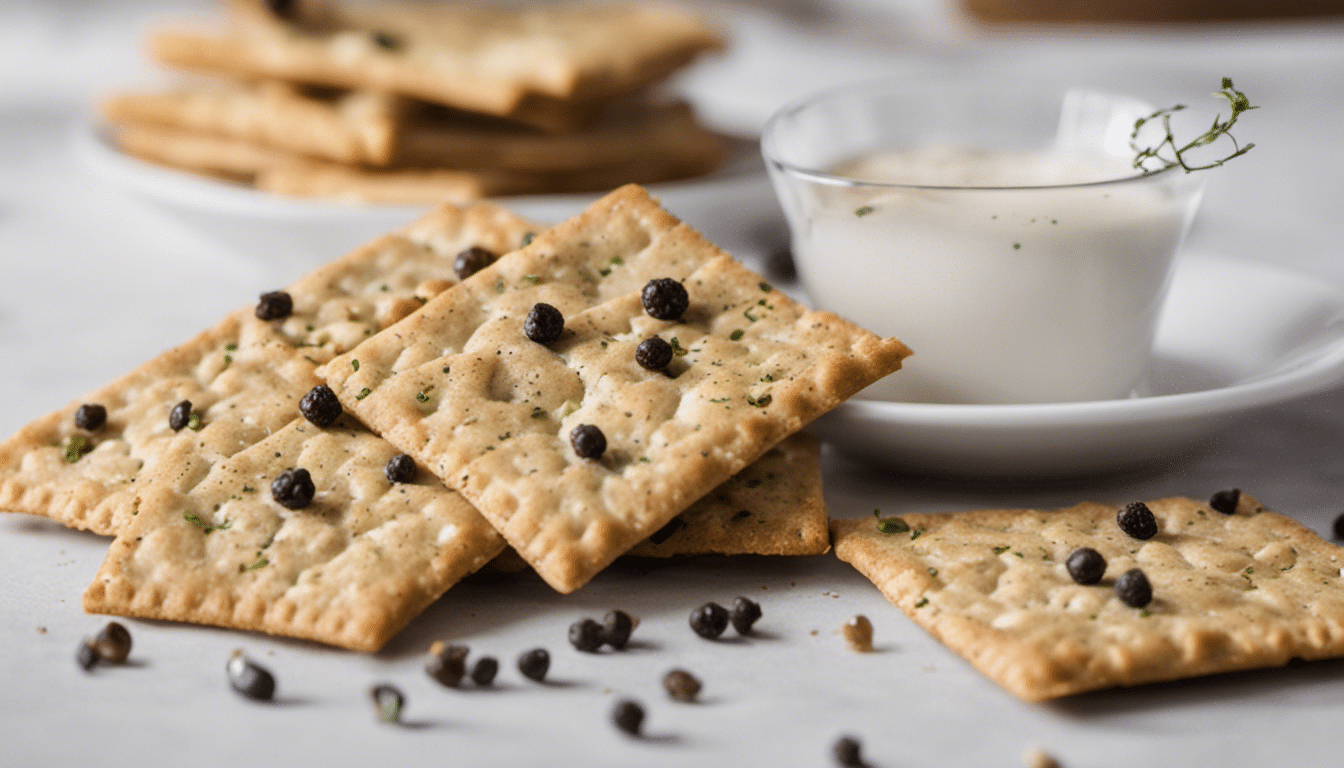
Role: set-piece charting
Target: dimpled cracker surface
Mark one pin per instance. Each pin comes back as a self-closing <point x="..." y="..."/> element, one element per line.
<point x="350" y="569"/>
<point x="244" y="376"/>
<point x="349" y="128"/>
<point x="773" y="507"/>
<point x="461" y="388"/>
<point x="1241" y="591"/>
<point x="533" y="64"/>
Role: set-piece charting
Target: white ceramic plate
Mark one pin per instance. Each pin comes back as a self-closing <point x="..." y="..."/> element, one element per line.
<point x="295" y="234"/>
<point x="1235" y="336"/>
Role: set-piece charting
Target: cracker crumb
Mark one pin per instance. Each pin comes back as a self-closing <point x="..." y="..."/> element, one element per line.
<point x="41" y="630"/>
<point x="1035" y="757"/>
<point x="859" y="633"/>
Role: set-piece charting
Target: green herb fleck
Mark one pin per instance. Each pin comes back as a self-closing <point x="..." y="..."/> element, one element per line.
<point x="747" y="314"/>
<point x="643" y="459"/>
<point x="499" y="285"/>
<point x="767" y="287"/>
<point x="916" y="533"/>
<point x="890" y="524"/>
<point x="75" y="446"/>
<point x="230" y="347"/>
<point x="527" y="238"/>
<point x="532" y="278"/>
<point x="227" y="360"/>
<point x="604" y="271"/>
<point x="1145" y="613"/>
<point x="249" y="489"/>
<point x="617" y="260"/>
<point x="1250" y="569"/>
<point x="382" y="288"/>
<point x="767" y="377"/>
<point x="446" y="368"/>
<point x="933" y="571"/>
<point x="386" y="40"/>
<point x="677" y="349"/>
<point x="354" y="364"/>
<point x="863" y="211"/>
<point x="736" y="335"/>
<point x="422" y="397"/>
<point x="196" y="520"/>
<point x="1151" y="160"/>
<point x="261" y="563"/>
<point x="363" y="393"/>
<point x="999" y="550"/>
<point x="538" y="412"/>
<point x="194" y="421"/>
<point x="759" y="402"/>
<point x="1017" y="246"/>
<point x="923" y="601"/>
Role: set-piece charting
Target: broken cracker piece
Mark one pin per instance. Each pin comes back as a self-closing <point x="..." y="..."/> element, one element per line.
<point x="1242" y="591"/>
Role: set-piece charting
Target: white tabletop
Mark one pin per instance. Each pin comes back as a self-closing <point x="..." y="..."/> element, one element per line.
<point x="98" y="280"/>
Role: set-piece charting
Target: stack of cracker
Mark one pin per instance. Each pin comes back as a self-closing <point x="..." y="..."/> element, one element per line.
<point x="701" y="457"/>
<point x="427" y="103"/>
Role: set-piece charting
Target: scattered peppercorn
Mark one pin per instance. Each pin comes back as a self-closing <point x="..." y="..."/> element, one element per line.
<point x="588" y="441"/>
<point x="400" y="469"/>
<point x="472" y="260"/>
<point x="389" y="702"/>
<point x="746" y="612"/>
<point x="585" y="635"/>
<point x="448" y="664"/>
<point x="86" y="656"/>
<point x="91" y="416"/>
<point x="250" y="679"/>
<point x="681" y="685"/>
<point x="293" y="488"/>
<point x="709" y="620"/>
<point x="628" y="716"/>
<point x="1136" y="519"/>
<point x="113" y="643"/>
<point x="1086" y="565"/>
<point x="616" y="629"/>
<point x="665" y="298"/>
<point x="1133" y="588"/>
<point x="1226" y="501"/>
<point x="859" y="633"/>
<point x="484" y="670"/>
<point x="180" y="416"/>
<point x="320" y="406"/>
<point x="274" y="305"/>
<point x="534" y="664"/>
<point x="653" y="353"/>
<point x="847" y="751"/>
<point x="386" y="40"/>
<point x="544" y="323"/>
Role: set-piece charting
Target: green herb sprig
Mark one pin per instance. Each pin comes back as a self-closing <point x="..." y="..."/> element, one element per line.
<point x="1152" y="160"/>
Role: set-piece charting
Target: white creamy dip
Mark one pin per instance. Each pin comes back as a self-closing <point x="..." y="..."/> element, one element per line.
<point x="1006" y="295"/>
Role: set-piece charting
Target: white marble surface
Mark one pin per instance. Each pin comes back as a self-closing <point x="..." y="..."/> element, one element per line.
<point x="96" y="280"/>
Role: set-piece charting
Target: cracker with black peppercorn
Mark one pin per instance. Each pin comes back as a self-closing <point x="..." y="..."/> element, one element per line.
<point x="349" y="566"/>
<point x="244" y="377"/>
<point x="1229" y="591"/>
<point x="460" y="387"/>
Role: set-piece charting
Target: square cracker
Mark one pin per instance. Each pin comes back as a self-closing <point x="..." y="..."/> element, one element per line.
<point x="351" y="569"/>
<point x="353" y="128"/>
<point x="459" y="387"/>
<point x="773" y="507"/>
<point x="549" y="66"/>
<point x="1242" y="591"/>
<point x="244" y="376"/>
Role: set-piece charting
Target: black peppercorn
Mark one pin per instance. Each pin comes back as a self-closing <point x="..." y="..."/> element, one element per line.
<point x="91" y="416"/>
<point x="665" y="298"/>
<point x="180" y="416"/>
<point x="484" y="670"/>
<point x="293" y="488"/>
<point x="628" y="716"/>
<point x="544" y="323"/>
<point x="534" y="664"/>
<point x="1133" y="588"/>
<point x="1226" y="501"/>
<point x="847" y="751"/>
<point x="681" y="685"/>
<point x="471" y="261"/>
<point x="585" y="635"/>
<point x="448" y="664"/>
<point x="113" y="643"/>
<point x="1086" y="565"/>
<point x="709" y="620"/>
<point x="320" y="406"/>
<point x="388" y="701"/>
<point x="249" y="679"/>
<point x="1136" y="519"/>
<point x="746" y="612"/>
<point x="400" y="469"/>
<point x="616" y="629"/>
<point x="588" y="441"/>
<point x="653" y="353"/>
<point x="283" y="9"/>
<point x="86" y="656"/>
<point x="274" y="305"/>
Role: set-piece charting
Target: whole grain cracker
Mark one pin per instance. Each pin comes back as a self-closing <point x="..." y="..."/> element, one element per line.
<point x="244" y="376"/>
<point x="773" y="507"/>
<point x="353" y="128"/>
<point x="551" y="66"/>
<point x="1230" y="592"/>
<point x="351" y="569"/>
<point x="459" y="387"/>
